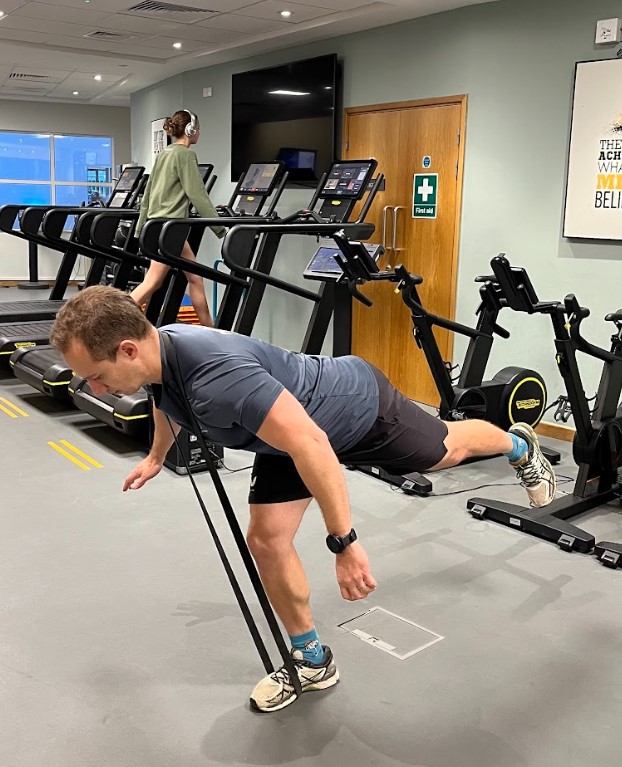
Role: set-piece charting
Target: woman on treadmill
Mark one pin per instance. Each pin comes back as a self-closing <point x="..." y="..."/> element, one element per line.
<point x="174" y="183"/>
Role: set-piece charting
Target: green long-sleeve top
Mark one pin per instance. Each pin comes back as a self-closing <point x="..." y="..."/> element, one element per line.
<point x="174" y="183"/>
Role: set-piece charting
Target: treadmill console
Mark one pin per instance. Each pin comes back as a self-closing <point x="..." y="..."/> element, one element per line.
<point x="344" y="185"/>
<point x="129" y="178"/>
<point x="258" y="182"/>
<point x="323" y="265"/>
<point x="348" y="179"/>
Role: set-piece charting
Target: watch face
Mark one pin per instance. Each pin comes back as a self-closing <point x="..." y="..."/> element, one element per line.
<point x="334" y="544"/>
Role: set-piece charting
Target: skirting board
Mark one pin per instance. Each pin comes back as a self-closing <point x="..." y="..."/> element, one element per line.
<point x="15" y="283"/>
<point x="555" y="430"/>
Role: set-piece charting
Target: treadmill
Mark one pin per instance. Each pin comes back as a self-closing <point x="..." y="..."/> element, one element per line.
<point x="43" y="367"/>
<point x="123" y="194"/>
<point x="30" y="333"/>
<point x="131" y="414"/>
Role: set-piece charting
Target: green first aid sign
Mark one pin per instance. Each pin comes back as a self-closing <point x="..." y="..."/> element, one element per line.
<point x="425" y="195"/>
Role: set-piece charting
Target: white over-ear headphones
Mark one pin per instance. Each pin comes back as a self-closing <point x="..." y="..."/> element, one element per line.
<point x="191" y="128"/>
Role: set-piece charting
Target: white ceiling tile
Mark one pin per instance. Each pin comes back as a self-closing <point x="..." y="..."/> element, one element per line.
<point x="139" y="24"/>
<point x="22" y="35"/>
<point x="269" y="9"/>
<point x="86" y="78"/>
<point x="245" y="24"/>
<point x="11" y="5"/>
<point x="205" y="34"/>
<point x="337" y="5"/>
<point x="59" y="13"/>
<point x="44" y="25"/>
<point x="106" y="6"/>
<point x="132" y="51"/>
<point x="166" y="44"/>
<point x="82" y="43"/>
<point x="226" y="6"/>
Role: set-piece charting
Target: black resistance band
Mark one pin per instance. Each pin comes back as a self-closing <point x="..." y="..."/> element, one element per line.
<point x="171" y="358"/>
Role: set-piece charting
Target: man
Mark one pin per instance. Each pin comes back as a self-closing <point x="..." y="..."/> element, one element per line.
<point x="302" y="416"/>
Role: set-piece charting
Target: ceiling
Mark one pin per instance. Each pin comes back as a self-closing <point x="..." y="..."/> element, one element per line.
<point x="51" y="49"/>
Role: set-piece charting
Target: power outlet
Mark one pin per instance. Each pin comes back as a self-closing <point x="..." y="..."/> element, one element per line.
<point x="207" y="92"/>
<point x="608" y="31"/>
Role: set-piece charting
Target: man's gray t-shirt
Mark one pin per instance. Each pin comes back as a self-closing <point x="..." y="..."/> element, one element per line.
<point x="232" y="381"/>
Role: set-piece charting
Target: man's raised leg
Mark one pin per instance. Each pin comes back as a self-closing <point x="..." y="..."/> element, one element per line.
<point x="476" y="439"/>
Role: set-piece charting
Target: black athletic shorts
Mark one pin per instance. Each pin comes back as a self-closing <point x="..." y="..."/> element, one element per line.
<point x="403" y="439"/>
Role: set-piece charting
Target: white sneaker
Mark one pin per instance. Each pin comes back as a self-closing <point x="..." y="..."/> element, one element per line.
<point x="534" y="470"/>
<point x="276" y="691"/>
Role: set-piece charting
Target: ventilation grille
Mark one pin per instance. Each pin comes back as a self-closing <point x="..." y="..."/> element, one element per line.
<point x="31" y="77"/>
<point x="100" y="34"/>
<point x="186" y="14"/>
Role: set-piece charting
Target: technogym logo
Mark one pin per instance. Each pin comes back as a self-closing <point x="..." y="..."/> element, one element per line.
<point x="528" y="404"/>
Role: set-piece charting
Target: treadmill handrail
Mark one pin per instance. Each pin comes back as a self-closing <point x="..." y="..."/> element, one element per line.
<point x="177" y="262"/>
<point x="276" y="227"/>
<point x="61" y="244"/>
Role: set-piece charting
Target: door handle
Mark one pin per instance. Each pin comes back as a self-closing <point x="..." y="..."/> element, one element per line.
<point x="396" y="211"/>
<point x="385" y="213"/>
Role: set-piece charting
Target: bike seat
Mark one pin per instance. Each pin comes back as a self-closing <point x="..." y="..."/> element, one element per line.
<point x="615" y="317"/>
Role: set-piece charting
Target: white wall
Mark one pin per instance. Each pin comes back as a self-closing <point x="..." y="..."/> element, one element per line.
<point x="515" y="60"/>
<point x="81" y="119"/>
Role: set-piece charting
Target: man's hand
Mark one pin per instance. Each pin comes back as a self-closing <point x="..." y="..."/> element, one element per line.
<point x="353" y="574"/>
<point x="146" y="470"/>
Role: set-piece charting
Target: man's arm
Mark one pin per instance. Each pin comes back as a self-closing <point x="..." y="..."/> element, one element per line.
<point x="163" y="438"/>
<point x="287" y="427"/>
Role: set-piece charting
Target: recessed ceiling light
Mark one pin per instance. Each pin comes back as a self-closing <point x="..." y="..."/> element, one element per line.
<point x="97" y="77"/>
<point x="1" y="13"/>
<point x="76" y="93"/>
<point x="285" y="14"/>
<point x="176" y="45"/>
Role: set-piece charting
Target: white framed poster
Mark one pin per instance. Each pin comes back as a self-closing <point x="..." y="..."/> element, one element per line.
<point x="159" y="137"/>
<point x="594" y="186"/>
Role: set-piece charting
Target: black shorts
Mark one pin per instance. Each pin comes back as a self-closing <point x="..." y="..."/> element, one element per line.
<point x="403" y="439"/>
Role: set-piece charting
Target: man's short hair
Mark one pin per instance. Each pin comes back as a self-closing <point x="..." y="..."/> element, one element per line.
<point x="99" y="318"/>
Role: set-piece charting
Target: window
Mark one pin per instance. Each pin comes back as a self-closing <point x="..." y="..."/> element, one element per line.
<point x="43" y="169"/>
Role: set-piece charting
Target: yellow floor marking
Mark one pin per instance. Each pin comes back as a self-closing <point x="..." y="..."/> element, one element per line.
<point x="14" y="406"/>
<point x="69" y="456"/>
<point x="7" y="411"/>
<point x="86" y="457"/>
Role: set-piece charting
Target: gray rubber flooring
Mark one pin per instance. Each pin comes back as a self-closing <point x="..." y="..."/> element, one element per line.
<point x="121" y="644"/>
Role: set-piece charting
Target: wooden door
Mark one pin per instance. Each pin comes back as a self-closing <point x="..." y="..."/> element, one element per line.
<point x="400" y="136"/>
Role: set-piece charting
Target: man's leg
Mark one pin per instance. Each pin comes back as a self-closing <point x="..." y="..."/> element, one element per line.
<point x="472" y="439"/>
<point x="475" y="439"/>
<point x="270" y="539"/>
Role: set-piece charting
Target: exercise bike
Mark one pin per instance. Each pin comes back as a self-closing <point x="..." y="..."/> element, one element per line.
<point x="513" y="394"/>
<point x="597" y="445"/>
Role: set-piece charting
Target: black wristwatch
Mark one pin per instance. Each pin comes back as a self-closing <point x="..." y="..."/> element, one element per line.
<point x="337" y="543"/>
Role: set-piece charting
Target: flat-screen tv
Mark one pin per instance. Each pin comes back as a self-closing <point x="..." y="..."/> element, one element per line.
<point x="287" y="114"/>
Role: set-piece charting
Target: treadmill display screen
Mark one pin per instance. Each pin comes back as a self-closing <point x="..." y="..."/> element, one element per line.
<point x="323" y="262"/>
<point x="128" y="178"/>
<point x="348" y="179"/>
<point x="117" y="201"/>
<point x="260" y="178"/>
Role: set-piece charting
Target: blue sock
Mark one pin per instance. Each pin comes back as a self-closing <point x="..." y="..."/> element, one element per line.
<point x="519" y="448"/>
<point x="310" y="646"/>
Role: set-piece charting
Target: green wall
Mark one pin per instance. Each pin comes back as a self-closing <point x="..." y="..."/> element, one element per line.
<point x="515" y="61"/>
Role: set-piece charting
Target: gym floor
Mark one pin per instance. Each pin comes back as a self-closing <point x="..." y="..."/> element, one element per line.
<point x="121" y="642"/>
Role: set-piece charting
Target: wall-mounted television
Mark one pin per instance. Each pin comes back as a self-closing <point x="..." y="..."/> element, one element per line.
<point x="288" y="114"/>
